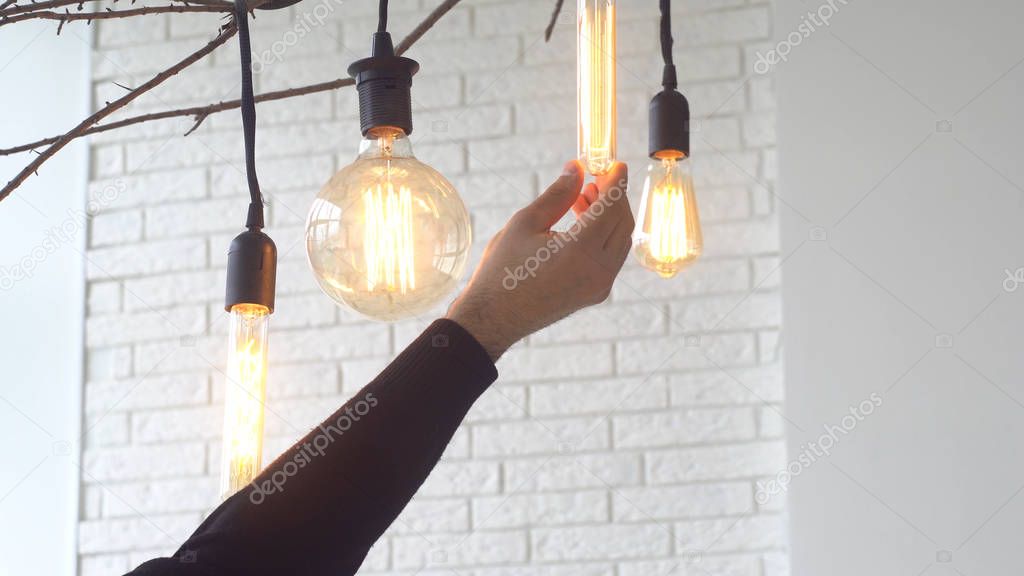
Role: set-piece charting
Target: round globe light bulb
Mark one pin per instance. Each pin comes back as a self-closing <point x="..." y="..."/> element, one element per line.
<point x="388" y="236"/>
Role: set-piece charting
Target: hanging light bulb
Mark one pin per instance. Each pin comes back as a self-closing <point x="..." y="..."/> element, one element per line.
<point x="249" y="300"/>
<point x="387" y="236"/>
<point x="667" y="237"/>
<point x="242" y="445"/>
<point x="595" y="84"/>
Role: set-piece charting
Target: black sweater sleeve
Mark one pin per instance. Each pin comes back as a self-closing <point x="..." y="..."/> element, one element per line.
<point x="322" y="504"/>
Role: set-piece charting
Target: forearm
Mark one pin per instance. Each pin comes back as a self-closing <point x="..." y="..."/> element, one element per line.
<point x="325" y="501"/>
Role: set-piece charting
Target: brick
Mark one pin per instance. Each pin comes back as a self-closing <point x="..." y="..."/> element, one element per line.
<point x="616" y="541"/>
<point x="147" y="258"/>
<point x="606" y="322"/>
<point x="168" y="496"/>
<point x="130" y="534"/>
<point x="715" y="462"/>
<point x="461" y="478"/>
<point x="656" y="503"/>
<point x="680" y="427"/>
<point x="555" y="362"/>
<point x="748" y="533"/>
<point x="499" y="403"/>
<point x="414" y="552"/>
<point x="144" y="325"/>
<point x="674" y="354"/>
<point x="115" y="228"/>
<point x="525" y="510"/>
<point x="571" y="472"/>
<point x="164" y="426"/>
<point x="104" y="297"/>
<point x="193" y="218"/>
<point x="598" y="396"/>
<point x="536" y="436"/>
<point x="734" y="312"/>
<point x="734" y="386"/>
<point x="431" y="516"/>
<point x="142" y="462"/>
<point x="146" y="392"/>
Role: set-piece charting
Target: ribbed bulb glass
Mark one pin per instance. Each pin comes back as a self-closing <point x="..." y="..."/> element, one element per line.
<point x="244" y="393"/>
<point x="595" y="84"/>
<point x="667" y="236"/>
<point x="388" y="236"/>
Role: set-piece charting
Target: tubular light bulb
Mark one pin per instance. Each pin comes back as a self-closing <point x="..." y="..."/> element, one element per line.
<point x="244" y="394"/>
<point x="595" y="84"/>
<point x="388" y="236"/>
<point x="668" y="236"/>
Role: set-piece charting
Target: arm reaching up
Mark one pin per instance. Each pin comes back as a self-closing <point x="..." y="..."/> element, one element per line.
<point x="320" y="506"/>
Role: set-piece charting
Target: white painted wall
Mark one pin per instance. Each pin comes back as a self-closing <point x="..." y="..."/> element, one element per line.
<point x="612" y="443"/>
<point x="900" y="130"/>
<point x="45" y="91"/>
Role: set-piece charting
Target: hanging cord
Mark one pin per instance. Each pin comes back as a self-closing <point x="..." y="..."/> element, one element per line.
<point x="382" y="18"/>
<point x="254" y="220"/>
<point x="668" y="76"/>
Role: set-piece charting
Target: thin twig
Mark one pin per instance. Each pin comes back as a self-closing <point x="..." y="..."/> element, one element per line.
<point x="200" y="113"/>
<point x="47" y="15"/>
<point x="109" y="109"/>
<point x="554" y="19"/>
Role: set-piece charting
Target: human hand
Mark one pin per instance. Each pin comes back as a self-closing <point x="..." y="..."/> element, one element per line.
<point x="530" y="276"/>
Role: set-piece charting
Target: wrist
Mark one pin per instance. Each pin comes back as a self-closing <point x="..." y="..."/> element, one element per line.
<point x="484" y="327"/>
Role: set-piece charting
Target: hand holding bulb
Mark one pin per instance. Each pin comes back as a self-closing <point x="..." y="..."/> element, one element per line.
<point x="531" y="276"/>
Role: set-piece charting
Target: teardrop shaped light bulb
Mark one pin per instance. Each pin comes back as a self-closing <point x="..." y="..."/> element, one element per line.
<point x="667" y="236"/>
<point x="388" y="236"/>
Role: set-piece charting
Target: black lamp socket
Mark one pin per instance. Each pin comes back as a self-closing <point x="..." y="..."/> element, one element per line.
<point x="669" y="122"/>
<point x="384" y="83"/>
<point x="252" y="270"/>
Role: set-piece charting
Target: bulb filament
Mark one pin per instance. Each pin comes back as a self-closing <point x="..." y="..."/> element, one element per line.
<point x="669" y="241"/>
<point x="243" y="417"/>
<point x="388" y="238"/>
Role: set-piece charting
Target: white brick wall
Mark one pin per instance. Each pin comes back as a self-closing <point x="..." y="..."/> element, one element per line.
<point x="623" y="441"/>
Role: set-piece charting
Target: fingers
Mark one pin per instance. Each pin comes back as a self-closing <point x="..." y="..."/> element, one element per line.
<point x="610" y="207"/>
<point x="550" y="206"/>
<point x="585" y="199"/>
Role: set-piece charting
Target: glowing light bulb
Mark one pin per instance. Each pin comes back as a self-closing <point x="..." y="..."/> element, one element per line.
<point x="388" y="236"/>
<point x="667" y="236"/>
<point x="245" y="389"/>
<point x="595" y="84"/>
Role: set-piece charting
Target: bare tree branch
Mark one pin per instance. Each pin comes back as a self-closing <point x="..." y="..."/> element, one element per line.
<point x="12" y="8"/>
<point x="109" y="109"/>
<point x="69" y="16"/>
<point x="200" y="113"/>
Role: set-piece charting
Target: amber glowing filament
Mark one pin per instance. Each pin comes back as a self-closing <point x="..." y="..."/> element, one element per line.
<point x="388" y="238"/>
<point x="595" y="84"/>
<point x="245" y="389"/>
<point x="668" y="235"/>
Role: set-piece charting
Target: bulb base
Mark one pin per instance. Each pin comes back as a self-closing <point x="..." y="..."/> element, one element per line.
<point x="669" y="122"/>
<point x="384" y="83"/>
<point x="252" y="270"/>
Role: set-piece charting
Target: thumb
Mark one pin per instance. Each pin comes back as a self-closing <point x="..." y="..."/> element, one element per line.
<point x="551" y="205"/>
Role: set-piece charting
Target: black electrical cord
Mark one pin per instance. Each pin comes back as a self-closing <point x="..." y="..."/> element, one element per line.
<point x="382" y="18"/>
<point x="254" y="220"/>
<point x="668" y="77"/>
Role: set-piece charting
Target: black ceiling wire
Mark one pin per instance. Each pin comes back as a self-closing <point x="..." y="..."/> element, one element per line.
<point x="254" y="220"/>
<point x="382" y="18"/>
<point x="668" y="78"/>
